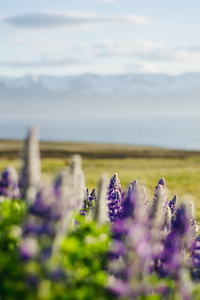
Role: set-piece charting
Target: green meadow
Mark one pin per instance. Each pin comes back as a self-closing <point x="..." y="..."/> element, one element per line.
<point x="181" y="169"/>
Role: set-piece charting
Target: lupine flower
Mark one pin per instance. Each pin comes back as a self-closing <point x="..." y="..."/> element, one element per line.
<point x="57" y="274"/>
<point x="168" y="219"/>
<point x="130" y="256"/>
<point x="28" y="248"/>
<point x="173" y="204"/>
<point x="181" y="221"/>
<point x="195" y="254"/>
<point x="114" y="197"/>
<point x="9" y="185"/>
<point x="157" y="224"/>
<point x="89" y="202"/>
<point x="171" y="256"/>
<point x="146" y="244"/>
<point x="69" y="195"/>
<point x="192" y="219"/>
<point x="101" y="211"/>
<point x="119" y="232"/>
<point x="143" y="197"/>
<point x="156" y="213"/>
<point x="31" y="169"/>
<point x="70" y="185"/>
<point x="127" y="209"/>
<point x="43" y="205"/>
<point x="135" y="203"/>
<point x="161" y="182"/>
<point x="93" y="195"/>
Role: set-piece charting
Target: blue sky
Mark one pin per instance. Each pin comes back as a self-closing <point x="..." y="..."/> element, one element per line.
<point x="102" y="37"/>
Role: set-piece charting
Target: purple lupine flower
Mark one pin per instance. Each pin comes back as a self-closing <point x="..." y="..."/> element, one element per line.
<point x="119" y="231"/>
<point x="32" y="226"/>
<point x="89" y="202"/>
<point x="28" y="248"/>
<point x="9" y="185"/>
<point x="82" y="212"/>
<point x="114" y="197"/>
<point x="130" y="256"/>
<point x="171" y="256"/>
<point x="195" y="255"/>
<point x="119" y="287"/>
<point x="178" y="239"/>
<point x="43" y="205"/>
<point x="181" y="221"/>
<point x="127" y="209"/>
<point x="57" y="274"/>
<point x="161" y="182"/>
<point x="93" y="195"/>
<point x="181" y="224"/>
<point x="86" y="203"/>
<point x="173" y="204"/>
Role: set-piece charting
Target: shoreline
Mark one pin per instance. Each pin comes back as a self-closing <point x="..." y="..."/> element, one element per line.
<point x="12" y="149"/>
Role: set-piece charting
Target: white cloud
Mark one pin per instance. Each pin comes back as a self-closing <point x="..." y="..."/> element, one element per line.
<point x="55" y="52"/>
<point x="144" y="67"/>
<point x="49" y="54"/>
<point x="71" y="19"/>
<point x="47" y="63"/>
<point x="146" y="50"/>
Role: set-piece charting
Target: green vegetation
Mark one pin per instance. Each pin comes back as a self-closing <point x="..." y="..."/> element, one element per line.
<point x="181" y="169"/>
<point x="182" y="175"/>
<point x="50" y="249"/>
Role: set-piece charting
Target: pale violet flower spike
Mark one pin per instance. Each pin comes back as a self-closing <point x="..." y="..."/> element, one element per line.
<point x="31" y="168"/>
<point x="69" y="190"/>
<point x="101" y="213"/>
<point x="9" y="185"/>
<point x="69" y="186"/>
<point x="192" y="219"/>
<point x="143" y="197"/>
<point x="128" y="204"/>
<point x="78" y="178"/>
<point x="161" y="183"/>
<point x="168" y="218"/>
<point x="157" y="208"/>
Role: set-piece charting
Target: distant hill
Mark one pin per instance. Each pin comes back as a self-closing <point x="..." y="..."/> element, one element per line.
<point x="93" y="96"/>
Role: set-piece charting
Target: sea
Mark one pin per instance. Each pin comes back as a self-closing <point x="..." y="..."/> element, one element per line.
<point x="167" y="132"/>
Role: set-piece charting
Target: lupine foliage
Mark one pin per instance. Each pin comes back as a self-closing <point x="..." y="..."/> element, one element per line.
<point x="61" y="241"/>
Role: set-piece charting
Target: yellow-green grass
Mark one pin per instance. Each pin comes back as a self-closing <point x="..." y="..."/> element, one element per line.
<point x="182" y="175"/>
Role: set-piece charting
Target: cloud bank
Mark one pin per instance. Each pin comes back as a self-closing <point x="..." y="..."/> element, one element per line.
<point x="47" y="63"/>
<point x="146" y="50"/>
<point x="46" y="20"/>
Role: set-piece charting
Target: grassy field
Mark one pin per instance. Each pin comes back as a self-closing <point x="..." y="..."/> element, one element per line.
<point x="181" y="169"/>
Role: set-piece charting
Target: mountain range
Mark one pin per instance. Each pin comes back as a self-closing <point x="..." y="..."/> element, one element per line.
<point x="91" y="96"/>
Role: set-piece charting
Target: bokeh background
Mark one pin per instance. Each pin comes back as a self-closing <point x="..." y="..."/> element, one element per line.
<point x="107" y="71"/>
<point x="101" y="71"/>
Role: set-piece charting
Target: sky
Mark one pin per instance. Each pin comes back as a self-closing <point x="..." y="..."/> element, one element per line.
<point x="74" y="37"/>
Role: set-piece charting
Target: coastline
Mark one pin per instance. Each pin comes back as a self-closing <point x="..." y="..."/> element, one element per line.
<point x="12" y="149"/>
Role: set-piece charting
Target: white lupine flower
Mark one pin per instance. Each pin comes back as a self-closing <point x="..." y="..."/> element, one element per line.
<point x="31" y="168"/>
<point x="101" y="213"/>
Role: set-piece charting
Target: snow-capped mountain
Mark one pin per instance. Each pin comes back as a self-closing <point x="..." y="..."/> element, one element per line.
<point x="93" y="96"/>
<point x="95" y="84"/>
